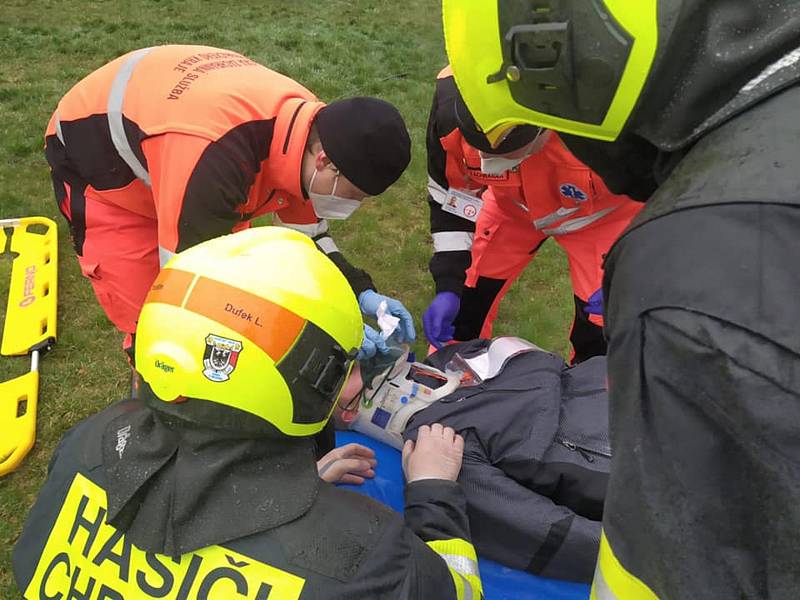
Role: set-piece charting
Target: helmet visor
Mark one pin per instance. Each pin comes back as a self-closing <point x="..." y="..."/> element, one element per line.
<point x="569" y="65"/>
<point x="315" y="370"/>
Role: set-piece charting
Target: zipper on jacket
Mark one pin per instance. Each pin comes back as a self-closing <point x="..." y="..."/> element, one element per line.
<point x="291" y="127"/>
<point x="583" y="450"/>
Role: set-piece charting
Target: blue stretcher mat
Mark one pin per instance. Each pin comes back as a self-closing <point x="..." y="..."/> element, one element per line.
<point x="499" y="582"/>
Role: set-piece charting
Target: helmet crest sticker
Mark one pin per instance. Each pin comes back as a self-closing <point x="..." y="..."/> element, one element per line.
<point x="220" y="357"/>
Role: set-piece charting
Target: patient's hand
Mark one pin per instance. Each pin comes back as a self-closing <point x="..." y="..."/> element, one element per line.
<point x="435" y="455"/>
<point x="348" y="464"/>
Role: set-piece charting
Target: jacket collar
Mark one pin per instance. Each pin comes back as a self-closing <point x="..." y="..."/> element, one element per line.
<point x="174" y="487"/>
<point x="285" y="160"/>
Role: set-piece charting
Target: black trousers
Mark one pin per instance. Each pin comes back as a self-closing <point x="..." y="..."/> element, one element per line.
<point x="586" y="338"/>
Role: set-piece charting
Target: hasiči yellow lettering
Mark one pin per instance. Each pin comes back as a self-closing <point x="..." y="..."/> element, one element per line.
<point x="88" y="558"/>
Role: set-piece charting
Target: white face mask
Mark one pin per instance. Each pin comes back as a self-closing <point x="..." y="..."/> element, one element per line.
<point x="497" y="165"/>
<point x="331" y="206"/>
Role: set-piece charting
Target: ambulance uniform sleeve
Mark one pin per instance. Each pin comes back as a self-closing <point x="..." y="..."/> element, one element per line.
<point x="436" y="511"/>
<point x="198" y="188"/>
<point x="518" y="527"/>
<point x="317" y="230"/>
<point x="452" y="235"/>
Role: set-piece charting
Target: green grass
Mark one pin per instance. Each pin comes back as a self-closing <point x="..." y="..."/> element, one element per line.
<point x="337" y="49"/>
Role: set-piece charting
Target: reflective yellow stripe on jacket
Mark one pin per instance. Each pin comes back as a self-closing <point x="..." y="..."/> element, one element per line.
<point x="462" y="562"/>
<point x="84" y="553"/>
<point x="613" y="582"/>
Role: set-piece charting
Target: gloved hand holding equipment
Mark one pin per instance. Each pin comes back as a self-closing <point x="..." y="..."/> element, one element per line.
<point x="439" y="316"/>
<point x="369" y="301"/>
<point x="373" y="342"/>
<point x="30" y="328"/>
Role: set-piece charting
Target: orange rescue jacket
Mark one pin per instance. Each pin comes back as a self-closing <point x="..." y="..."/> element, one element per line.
<point x="559" y="193"/>
<point x="216" y="138"/>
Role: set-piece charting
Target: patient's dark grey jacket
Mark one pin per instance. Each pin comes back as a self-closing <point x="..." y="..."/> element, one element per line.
<point x="536" y="459"/>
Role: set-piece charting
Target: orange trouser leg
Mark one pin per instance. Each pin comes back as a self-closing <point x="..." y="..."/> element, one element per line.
<point x="505" y="243"/>
<point x="117" y="249"/>
<point x="120" y="258"/>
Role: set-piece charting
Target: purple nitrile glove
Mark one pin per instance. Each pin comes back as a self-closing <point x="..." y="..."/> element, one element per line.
<point x="439" y="316"/>
<point x="594" y="305"/>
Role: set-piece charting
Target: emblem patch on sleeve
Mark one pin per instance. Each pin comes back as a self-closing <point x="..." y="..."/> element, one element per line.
<point x="220" y="357"/>
<point x="569" y="190"/>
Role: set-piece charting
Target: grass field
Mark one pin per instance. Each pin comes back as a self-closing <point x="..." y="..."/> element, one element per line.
<point x="337" y="48"/>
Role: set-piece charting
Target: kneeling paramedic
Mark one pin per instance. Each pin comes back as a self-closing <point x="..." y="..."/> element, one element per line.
<point x="206" y="486"/>
<point x="693" y="106"/>
<point x="536" y="451"/>
<point x="169" y="146"/>
<point x="491" y="209"/>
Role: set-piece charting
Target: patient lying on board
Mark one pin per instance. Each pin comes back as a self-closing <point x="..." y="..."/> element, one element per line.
<point x="536" y="457"/>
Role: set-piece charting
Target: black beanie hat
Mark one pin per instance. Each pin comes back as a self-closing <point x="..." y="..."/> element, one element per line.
<point x="366" y="139"/>
<point x="519" y="136"/>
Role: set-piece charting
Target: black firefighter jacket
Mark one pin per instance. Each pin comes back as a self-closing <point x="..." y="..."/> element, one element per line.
<point x="346" y="546"/>
<point x="701" y="317"/>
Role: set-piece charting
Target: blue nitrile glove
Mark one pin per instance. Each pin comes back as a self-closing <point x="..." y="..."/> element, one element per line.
<point x="373" y="342"/>
<point x="594" y="305"/>
<point x="368" y="302"/>
<point x="439" y="316"/>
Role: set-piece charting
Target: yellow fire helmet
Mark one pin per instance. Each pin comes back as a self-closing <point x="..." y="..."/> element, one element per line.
<point x="260" y="321"/>
<point x="576" y="66"/>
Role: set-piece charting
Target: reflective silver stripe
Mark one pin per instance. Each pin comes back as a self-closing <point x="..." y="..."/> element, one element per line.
<point x="522" y="205"/>
<point x="461" y="564"/>
<point x="327" y="245"/>
<point x="579" y="223"/>
<point x="310" y="229"/>
<point x="116" y="97"/>
<point x="555" y="216"/>
<point x="452" y="241"/>
<point x="164" y="255"/>
<point x="600" y="589"/>
<point x="437" y="192"/>
<point x="467" y="587"/>
<point x="784" y="62"/>
<point x="59" y="133"/>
